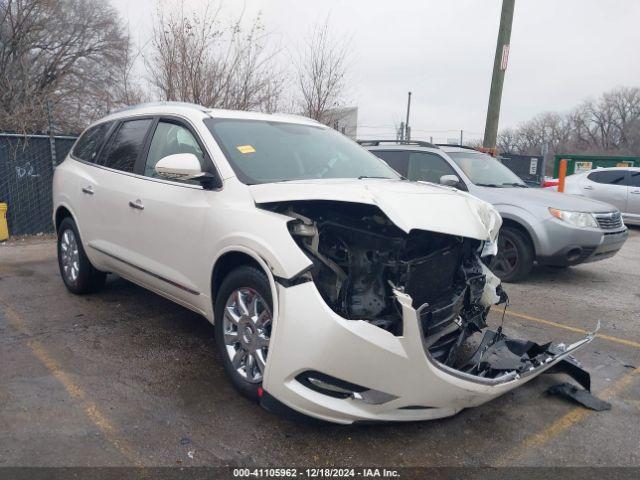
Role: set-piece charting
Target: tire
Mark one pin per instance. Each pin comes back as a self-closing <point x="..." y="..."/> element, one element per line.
<point x="237" y="332"/>
<point x="515" y="257"/>
<point x="78" y="274"/>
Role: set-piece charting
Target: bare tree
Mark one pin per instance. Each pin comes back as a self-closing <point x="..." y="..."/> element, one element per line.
<point x="607" y="125"/>
<point x="322" y="68"/>
<point x="204" y="59"/>
<point x="64" y="52"/>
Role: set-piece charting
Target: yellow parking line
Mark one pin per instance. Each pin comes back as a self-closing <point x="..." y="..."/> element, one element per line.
<point x="567" y="421"/>
<point x="621" y="341"/>
<point x="91" y="410"/>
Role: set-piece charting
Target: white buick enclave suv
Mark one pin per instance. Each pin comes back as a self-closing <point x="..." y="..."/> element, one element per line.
<point x="338" y="289"/>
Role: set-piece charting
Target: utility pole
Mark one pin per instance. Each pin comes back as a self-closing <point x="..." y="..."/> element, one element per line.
<point x="497" y="80"/>
<point x="461" y="136"/>
<point x="407" y="135"/>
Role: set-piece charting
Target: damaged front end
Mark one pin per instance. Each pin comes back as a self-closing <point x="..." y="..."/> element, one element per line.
<point x="422" y="285"/>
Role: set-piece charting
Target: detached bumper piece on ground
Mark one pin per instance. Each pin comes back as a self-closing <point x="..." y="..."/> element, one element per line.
<point x="583" y="397"/>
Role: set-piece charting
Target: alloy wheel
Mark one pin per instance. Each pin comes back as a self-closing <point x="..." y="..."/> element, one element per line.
<point x="506" y="261"/>
<point x="69" y="255"/>
<point x="246" y="327"/>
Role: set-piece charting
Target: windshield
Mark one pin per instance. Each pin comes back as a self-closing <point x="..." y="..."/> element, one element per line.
<point x="486" y="171"/>
<point x="265" y="151"/>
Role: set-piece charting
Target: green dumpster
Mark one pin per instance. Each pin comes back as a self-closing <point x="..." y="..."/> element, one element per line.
<point x="581" y="163"/>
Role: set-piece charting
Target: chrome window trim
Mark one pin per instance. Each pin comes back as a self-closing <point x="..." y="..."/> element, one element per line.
<point x="142" y="177"/>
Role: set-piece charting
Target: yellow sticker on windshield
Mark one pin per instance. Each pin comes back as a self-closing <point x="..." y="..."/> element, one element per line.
<point x="246" y="149"/>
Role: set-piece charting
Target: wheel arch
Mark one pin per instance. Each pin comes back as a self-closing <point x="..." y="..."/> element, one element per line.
<point x="514" y="224"/>
<point x="63" y="211"/>
<point x="234" y="257"/>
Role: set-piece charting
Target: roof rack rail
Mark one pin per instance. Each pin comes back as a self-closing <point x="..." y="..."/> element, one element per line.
<point x="456" y="145"/>
<point x="167" y="103"/>
<point x="375" y="143"/>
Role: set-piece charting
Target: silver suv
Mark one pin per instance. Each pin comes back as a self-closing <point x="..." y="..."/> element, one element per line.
<point x="538" y="225"/>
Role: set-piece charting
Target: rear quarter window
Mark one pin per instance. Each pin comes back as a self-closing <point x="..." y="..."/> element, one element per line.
<point x="88" y="146"/>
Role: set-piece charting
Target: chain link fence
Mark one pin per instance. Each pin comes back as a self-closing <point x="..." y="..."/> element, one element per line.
<point x="26" y="173"/>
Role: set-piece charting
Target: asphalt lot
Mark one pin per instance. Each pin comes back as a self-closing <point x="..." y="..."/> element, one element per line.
<point x="125" y="377"/>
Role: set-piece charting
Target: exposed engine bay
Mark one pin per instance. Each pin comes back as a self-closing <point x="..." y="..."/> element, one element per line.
<point x="360" y="259"/>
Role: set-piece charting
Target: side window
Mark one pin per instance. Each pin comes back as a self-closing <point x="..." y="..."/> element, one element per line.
<point x="634" y="178"/>
<point x="399" y="161"/>
<point x="90" y="142"/>
<point x="428" y="167"/>
<point x="126" y="144"/>
<point x="168" y="139"/>
<point x="611" y="177"/>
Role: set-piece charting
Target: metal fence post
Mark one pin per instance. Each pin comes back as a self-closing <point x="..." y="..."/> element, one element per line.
<point x="52" y="140"/>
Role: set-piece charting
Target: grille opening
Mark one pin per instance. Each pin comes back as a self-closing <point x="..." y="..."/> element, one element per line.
<point x="609" y="221"/>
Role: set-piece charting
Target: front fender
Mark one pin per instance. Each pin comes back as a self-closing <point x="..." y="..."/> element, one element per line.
<point x="527" y="220"/>
<point x="286" y="260"/>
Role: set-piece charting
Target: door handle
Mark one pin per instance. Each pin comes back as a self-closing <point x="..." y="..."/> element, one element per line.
<point x="635" y="191"/>
<point x="88" y="190"/>
<point x="137" y="204"/>
<point x="588" y="187"/>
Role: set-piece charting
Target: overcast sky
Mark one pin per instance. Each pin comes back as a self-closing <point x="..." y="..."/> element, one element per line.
<point x="562" y="52"/>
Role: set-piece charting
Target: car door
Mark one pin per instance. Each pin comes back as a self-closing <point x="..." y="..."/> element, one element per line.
<point x="81" y="186"/>
<point x="607" y="186"/>
<point x="170" y="217"/>
<point x="632" y="212"/>
<point x="114" y="191"/>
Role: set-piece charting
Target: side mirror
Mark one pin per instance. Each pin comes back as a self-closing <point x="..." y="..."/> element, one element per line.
<point x="179" y="166"/>
<point x="185" y="166"/>
<point x="450" y="181"/>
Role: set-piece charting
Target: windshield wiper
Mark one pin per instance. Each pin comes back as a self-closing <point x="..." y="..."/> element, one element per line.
<point x="368" y="176"/>
<point x="492" y="185"/>
<point x="516" y="184"/>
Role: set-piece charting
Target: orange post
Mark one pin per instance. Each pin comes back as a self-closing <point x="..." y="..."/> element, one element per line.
<point x="562" y="173"/>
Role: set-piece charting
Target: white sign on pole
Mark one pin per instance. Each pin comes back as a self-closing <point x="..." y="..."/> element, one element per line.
<point x="533" y="166"/>
<point x="505" y="57"/>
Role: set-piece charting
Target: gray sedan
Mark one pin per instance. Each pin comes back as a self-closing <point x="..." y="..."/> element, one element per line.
<point x="538" y="225"/>
<point x="618" y="186"/>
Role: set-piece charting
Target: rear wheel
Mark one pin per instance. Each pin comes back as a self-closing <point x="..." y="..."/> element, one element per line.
<point x="243" y="327"/>
<point x="514" y="259"/>
<point x="76" y="270"/>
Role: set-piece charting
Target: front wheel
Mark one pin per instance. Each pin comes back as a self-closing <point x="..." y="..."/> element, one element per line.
<point x="243" y="327"/>
<point x="515" y="256"/>
<point x="76" y="270"/>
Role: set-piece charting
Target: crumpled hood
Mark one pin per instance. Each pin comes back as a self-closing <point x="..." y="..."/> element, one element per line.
<point x="544" y="198"/>
<point x="409" y="205"/>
